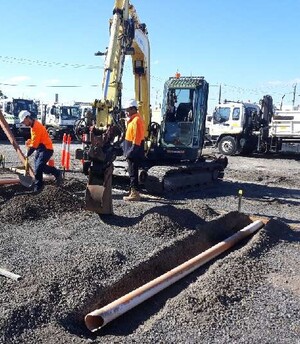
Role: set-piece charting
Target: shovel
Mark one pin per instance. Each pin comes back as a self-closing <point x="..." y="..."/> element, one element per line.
<point x="26" y="180"/>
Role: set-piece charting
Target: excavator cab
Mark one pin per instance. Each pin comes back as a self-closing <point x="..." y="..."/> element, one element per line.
<point x="183" y="110"/>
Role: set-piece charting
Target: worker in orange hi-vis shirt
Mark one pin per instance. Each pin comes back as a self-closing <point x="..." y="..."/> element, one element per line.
<point x="134" y="147"/>
<point x="41" y="143"/>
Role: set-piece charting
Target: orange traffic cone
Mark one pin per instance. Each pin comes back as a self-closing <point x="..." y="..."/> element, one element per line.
<point x="63" y="150"/>
<point x="68" y="155"/>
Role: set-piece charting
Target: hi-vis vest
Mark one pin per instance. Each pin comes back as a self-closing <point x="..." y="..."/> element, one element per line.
<point x="39" y="137"/>
<point x="134" y="138"/>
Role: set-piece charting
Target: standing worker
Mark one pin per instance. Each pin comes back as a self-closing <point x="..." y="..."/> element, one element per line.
<point x="40" y="142"/>
<point x="134" y="147"/>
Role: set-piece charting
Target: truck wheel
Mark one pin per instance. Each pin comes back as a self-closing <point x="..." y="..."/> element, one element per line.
<point x="227" y="145"/>
<point x="52" y="133"/>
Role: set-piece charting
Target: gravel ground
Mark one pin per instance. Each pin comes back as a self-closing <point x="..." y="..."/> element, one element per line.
<point x="73" y="261"/>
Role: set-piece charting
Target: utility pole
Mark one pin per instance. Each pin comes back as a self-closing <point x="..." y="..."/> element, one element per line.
<point x="281" y="102"/>
<point x="294" y="95"/>
<point x="220" y="93"/>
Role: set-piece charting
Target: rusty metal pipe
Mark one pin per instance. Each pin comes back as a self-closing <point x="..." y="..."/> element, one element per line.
<point x="9" y="181"/>
<point x="100" y="317"/>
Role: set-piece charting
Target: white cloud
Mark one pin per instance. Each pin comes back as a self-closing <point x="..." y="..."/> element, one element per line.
<point x="17" y="79"/>
<point x="276" y="82"/>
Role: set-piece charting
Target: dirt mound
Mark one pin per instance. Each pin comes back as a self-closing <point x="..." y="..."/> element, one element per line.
<point x="169" y="222"/>
<point x="19" y="207"/>
<point x="158" y="225"/>
<point x="74" y="185"/>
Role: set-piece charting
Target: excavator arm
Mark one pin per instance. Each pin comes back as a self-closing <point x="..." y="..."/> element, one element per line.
<point x="127" y="37"/>
<point x="101" y="146"/>
<point x="141" y="69"/>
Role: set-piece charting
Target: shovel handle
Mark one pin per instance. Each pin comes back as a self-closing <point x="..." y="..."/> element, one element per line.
<point x="26" y="165"/>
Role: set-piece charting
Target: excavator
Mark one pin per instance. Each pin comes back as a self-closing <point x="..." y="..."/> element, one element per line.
<point x="173" y="145"/>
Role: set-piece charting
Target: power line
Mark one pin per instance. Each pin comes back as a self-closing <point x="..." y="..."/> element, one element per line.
<point x="41" y="63"/>
<point x="53" y="86"/>
<point x="10" y="59"/>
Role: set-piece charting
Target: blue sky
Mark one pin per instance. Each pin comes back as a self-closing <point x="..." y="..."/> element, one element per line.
<point x="249" y="48"/>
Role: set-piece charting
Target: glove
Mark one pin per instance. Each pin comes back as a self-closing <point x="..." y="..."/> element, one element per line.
<point x="29" y="152"/>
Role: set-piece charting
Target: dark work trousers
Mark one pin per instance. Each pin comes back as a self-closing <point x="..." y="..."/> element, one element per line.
<point x="40" y="166"/>
<point x="133" y="171"/>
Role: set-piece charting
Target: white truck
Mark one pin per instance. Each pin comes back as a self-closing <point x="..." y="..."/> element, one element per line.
<point x="11" y="108"/>
<point x="285" y="129"/>
<point x="84" y="108"/>
<point x="230" y="127"/>
<point x="244" y="128"/>
<point x="59" y="119"/>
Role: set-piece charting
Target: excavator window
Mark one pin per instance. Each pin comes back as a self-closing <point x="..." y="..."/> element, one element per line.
<point x="178" y="133"/>
<point x="170" y="114"/>
<point x="184" y="112"/>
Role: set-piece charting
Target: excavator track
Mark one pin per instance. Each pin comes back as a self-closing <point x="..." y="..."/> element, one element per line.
<point x="164" y="179"/>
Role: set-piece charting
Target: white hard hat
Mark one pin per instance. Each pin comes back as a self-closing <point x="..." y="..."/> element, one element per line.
<point x="130" y="103"/>
<point x="23" y="114"/>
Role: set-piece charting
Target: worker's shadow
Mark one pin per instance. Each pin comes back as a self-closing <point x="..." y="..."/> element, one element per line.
<point x="184" y="217"/>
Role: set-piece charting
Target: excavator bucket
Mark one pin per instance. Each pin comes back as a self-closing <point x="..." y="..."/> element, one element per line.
<point x="98" y="195"/>
<point x="94" y="197"/>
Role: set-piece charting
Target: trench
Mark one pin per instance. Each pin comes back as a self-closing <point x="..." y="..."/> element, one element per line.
<point x="176" y="251"/>
<point x="160" y="262"/>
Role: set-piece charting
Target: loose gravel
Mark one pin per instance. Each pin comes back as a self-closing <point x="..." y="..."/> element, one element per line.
<point x="73" y="261"/>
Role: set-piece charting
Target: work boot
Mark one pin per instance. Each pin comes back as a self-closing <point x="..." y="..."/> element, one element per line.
<point x="134" y="196"/>
<point x="37" y="190"/>
<point x="59" y="179"/>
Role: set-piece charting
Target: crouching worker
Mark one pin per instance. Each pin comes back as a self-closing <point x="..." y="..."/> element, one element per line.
<point x="134" y="147"/>
<point x="41" y="143"/>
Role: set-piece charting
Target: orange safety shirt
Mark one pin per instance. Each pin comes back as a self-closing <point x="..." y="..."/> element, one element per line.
<point x="135" y="132"/>
<point x="134" y="138"/>
<point x="39" y="136"/>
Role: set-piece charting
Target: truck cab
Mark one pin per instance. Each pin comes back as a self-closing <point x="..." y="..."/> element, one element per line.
<point x="11" y="108"/>
<point x="60" y="119"/>
<point x="232" y="125"/>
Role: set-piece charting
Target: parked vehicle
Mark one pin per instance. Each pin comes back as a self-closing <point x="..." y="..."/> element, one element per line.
<point x="11" y="108"/>
<point x="59" y="119"/>
<point x="244" y="128"/>
<point x="284" y="128"/>
<point x="230" y="128"/>
<point x="84" y="108"/>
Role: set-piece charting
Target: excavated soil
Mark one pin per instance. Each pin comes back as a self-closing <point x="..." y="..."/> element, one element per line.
<point x="72" y="261"/>
<point x="25" y="205"/>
